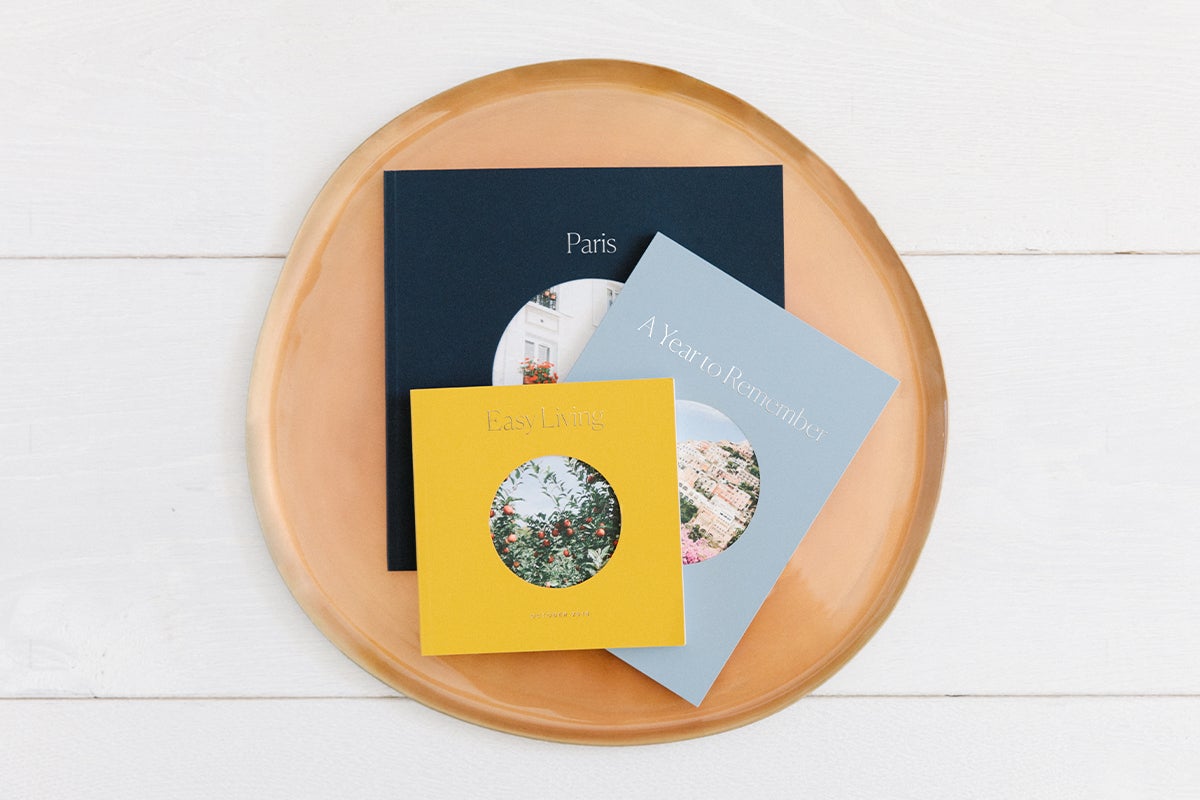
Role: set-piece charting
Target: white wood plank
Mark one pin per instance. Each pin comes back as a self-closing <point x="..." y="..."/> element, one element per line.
<point x="153" y="127"/>
<point x="132" y="559"/>
<point x="822" y="747"/>
<point x="1062" y="558"/>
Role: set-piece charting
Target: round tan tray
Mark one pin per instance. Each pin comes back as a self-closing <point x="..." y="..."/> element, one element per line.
<point x="315" y="424"/>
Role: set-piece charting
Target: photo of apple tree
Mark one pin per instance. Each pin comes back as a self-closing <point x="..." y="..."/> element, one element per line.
<point x="555" y="521"/>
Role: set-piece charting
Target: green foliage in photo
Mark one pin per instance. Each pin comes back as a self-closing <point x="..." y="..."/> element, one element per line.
<point x="563" y="534"/>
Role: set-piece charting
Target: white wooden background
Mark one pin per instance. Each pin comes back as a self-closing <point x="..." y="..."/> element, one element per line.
<point x="1034" y="162"/>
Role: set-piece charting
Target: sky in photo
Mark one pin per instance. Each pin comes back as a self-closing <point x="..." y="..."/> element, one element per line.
<point x="699" y="422"/>
<point x="529" y="487"/>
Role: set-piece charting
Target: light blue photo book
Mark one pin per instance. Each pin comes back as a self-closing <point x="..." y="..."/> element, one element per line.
<point x="770" y="413"/>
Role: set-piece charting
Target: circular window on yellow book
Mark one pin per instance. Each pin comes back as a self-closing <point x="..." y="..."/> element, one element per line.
<point x="555" y="521"/>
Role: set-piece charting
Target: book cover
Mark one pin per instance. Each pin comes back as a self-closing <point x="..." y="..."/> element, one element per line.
<point x="770" y="413"/>
<point x="546" y="517"/>
<point x="500" y="275"/>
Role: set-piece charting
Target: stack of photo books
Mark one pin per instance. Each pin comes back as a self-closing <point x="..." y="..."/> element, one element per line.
<point x="604" y="430"/>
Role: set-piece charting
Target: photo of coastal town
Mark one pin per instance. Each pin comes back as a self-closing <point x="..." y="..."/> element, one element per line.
<point x="718" y="481"/>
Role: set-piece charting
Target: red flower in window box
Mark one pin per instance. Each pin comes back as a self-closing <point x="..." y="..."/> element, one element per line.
<point x="538" y="372"/>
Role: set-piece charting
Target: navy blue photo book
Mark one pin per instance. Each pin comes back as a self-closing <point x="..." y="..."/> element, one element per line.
<point x="500" y="275"/>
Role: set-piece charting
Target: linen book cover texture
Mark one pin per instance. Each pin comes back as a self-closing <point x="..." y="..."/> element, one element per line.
<point x="546" y="517"/>
<point x="466" y="249"/>
<point x="769" y="413"/>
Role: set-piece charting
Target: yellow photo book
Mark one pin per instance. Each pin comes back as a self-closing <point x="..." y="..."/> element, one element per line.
<point x="547" y="517"/>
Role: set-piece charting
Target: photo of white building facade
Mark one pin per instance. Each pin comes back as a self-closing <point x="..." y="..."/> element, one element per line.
<point x="553" y="326"/>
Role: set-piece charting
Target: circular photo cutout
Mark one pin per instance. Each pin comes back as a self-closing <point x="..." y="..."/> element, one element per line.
<point x="555" y="521"/>
<point x="718" y="480"/>
<point x="547" y="334"/>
